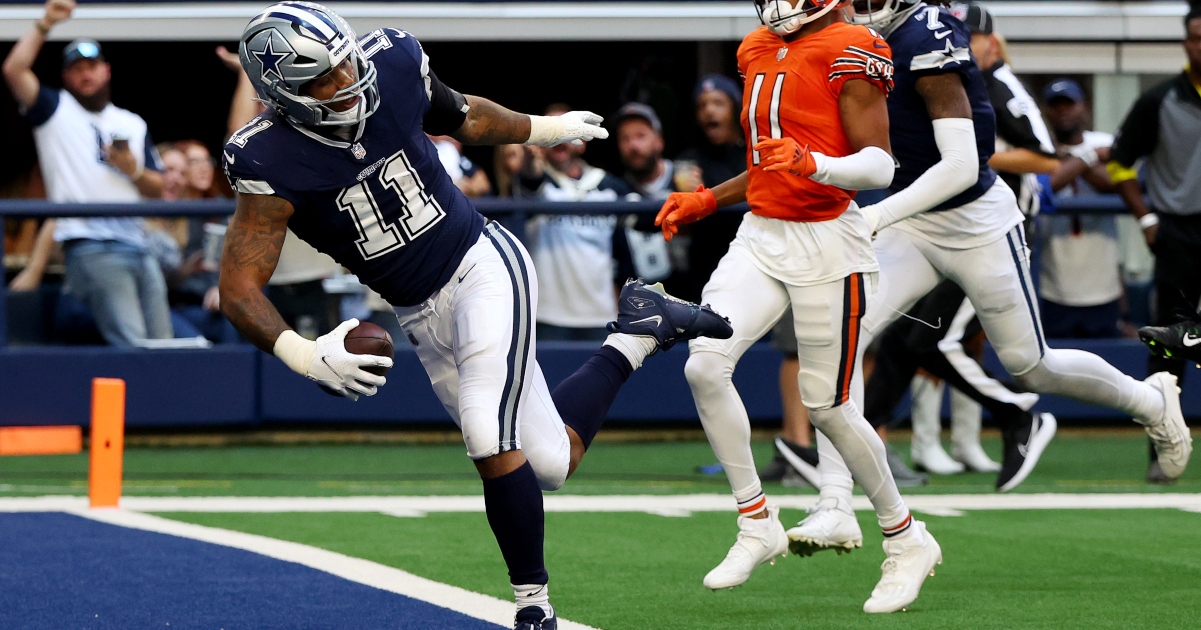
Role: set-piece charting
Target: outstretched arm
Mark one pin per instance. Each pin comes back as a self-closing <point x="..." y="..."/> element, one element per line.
<point x="18" y="66"/>
<point x="253" y="241"/>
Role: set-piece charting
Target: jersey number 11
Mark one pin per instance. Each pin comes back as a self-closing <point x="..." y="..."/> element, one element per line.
<point x="421" y="211"/>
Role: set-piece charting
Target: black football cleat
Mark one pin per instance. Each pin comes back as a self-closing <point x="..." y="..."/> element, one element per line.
<point x="1181" y="340"/>
<point x="1024" y="445"/>
<point x="534" y="618"/>
<point x="647" y="310"/>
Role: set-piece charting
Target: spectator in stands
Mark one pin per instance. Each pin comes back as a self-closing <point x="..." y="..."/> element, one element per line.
<point x="719" y="156"/>
<point x="639" y="135"/>
<point x="1163" y="132"/>
<point x="1024" y="146"/>
<point x="507" y="162"/>
<point x="468" y="177"/>
<point x="175" y="171"/>
<point x="296" y="289"/>
<point x="574" y="254"/>
<point x="108" y="266"/>
<point x="1080" y="271"/>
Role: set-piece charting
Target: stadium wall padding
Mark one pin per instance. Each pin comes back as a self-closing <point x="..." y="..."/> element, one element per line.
<point x="52" y="385"/>
<point x="238" y="385"/>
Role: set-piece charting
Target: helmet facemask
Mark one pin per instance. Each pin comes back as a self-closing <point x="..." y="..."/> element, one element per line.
<point x="785" y="17"/>
<point x="291" y="44"/>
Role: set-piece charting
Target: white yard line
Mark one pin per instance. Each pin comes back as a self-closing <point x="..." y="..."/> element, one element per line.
<point x="353" y="569"/>
<point x="666" y="505"/>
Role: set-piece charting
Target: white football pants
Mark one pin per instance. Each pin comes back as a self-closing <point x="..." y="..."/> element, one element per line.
<point x="996" y="278"/>
<point x="475" y="338"/>
<point x="826" y="318"/>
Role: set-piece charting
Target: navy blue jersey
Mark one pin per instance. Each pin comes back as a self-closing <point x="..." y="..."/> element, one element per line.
<point x="384" y="208"/>
<point x="933" y="41"/>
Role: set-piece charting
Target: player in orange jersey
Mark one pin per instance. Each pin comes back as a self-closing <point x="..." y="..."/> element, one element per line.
<point x="816" y="120"/>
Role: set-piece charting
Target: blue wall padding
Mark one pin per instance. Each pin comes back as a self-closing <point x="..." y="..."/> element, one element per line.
<point x="52" y="385"/>
<point x="65" y="571"/>
<point x="657" y="392"/>
<point x="242" y="386"/>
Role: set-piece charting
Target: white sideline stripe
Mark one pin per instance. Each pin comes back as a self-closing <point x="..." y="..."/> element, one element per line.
<point x="354" y="569"/>
<point x="650" y="504"/>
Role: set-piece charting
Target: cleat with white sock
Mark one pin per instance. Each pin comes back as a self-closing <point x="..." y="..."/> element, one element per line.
<point x="828" y="526"/>
<point x="1170" y="435"/>
<point x="912" y="557"/>
<point x="759" y="540"/>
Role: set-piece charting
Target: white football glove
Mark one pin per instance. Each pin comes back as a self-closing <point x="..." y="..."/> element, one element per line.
<point x="573" y="127"/>
<point x="327" y="362"/>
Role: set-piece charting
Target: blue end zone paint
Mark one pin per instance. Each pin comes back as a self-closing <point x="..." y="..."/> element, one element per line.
<point x="62" y="571"/>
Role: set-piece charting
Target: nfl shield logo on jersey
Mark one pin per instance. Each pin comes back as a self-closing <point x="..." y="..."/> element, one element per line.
<point x="358" y="151"/>
<point x="780" y="55"/>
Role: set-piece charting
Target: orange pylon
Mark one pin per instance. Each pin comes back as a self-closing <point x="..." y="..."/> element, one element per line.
<point x="108" y="442"/>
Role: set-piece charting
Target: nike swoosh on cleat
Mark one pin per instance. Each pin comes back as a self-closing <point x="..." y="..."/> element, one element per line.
<point x="1190" y="340"/>
<point x="656" y="318"/>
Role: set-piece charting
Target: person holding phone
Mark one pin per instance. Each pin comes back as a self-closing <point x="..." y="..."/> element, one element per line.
<point x="92" y="151"/>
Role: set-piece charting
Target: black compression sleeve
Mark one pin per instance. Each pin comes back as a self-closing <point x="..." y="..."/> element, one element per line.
<point x="448" y="109"/>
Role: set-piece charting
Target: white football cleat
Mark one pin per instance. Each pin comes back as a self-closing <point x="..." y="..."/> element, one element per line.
<point x="826" y="527"/>
<point x="759" y="540"/>
<point x="973" y="456"/>
<point x="912" y="557"/>
<point x="933" y="459"/>
<point x="1169" y="433"/>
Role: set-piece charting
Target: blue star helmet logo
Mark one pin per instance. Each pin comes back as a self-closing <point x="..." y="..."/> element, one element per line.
<point x="270" y="59"/>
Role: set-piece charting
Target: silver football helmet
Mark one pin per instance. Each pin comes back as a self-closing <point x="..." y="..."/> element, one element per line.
<point x="880" y="15"/>
<point x="289" y="44"/>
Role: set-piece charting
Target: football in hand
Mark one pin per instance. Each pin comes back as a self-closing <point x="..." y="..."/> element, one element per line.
<point x="368" y="338"/>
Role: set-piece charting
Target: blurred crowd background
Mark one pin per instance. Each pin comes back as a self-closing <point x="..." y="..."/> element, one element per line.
<point x="672" y="109"/>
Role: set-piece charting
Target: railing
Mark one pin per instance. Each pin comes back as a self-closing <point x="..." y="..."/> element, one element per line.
<point x="509" y="211"/>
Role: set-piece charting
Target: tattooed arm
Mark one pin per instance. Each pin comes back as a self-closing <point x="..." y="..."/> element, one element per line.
<point x="489" y="123"/>
<point x="252" y="244"/>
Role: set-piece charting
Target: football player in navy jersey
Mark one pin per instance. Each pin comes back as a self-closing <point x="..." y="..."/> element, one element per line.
<point x="950" y="217"/>
<point x="342" y="157"/>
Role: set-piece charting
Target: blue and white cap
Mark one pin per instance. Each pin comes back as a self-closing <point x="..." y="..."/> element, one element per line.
<point x="82" y="49"/>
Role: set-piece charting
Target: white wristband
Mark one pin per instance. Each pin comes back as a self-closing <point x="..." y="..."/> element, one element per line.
<point x="546" y="131"/>
<point x="1148" y="220"/>
<point x="295" y="351"/>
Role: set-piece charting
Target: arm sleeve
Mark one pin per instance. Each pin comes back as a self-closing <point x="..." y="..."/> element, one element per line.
<point x="43" y="107"/>
<point x="448" y="108"/>
<point x="958" y="169"/>
<point x="1139" y="133"/>
<point x="868" y="169"/>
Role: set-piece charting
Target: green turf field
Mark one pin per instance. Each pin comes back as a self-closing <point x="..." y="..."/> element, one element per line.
<point x="1121" y="568"/>
<point x="1073" y="463"/>
<point x="1028" y="569"/>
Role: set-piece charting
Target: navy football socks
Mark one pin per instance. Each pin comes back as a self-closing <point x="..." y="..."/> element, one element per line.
<point x="583" y="399"/>
<point x="514" y="506"/>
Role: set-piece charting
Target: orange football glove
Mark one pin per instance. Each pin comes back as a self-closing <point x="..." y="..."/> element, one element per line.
<point x="681" y="208"/>
<point x="784" y="154"/>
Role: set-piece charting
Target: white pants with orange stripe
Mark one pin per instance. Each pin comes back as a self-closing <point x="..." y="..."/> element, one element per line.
<point x="826" y="318"/>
